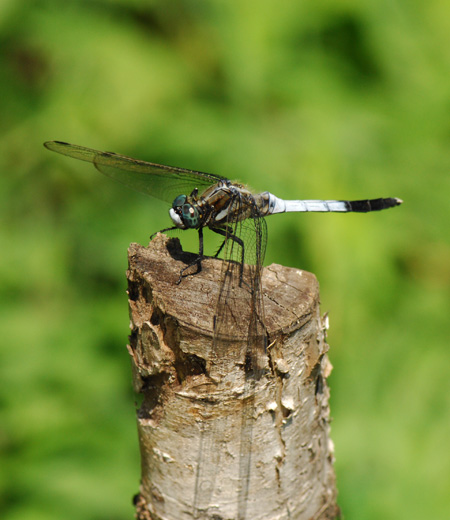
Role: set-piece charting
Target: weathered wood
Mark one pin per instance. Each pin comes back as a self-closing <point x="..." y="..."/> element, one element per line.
<point x="190" y="428"/>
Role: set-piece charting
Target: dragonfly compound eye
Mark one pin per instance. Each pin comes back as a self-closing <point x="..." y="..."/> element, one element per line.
<point x="189" y="214"/>
<point x="179" y="201"/>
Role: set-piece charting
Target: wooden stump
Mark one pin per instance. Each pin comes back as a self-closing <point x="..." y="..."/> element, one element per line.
<point x="190" y="428"/>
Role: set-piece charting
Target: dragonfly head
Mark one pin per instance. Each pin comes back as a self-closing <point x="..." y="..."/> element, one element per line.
<point x="183" y="214"/>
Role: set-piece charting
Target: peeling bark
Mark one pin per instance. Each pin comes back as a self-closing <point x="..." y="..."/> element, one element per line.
<point x="190" y="428"/>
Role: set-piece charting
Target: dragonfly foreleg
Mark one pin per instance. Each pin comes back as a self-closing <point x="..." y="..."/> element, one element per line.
<point x="162" y="231"/>
<point x="224" y="233"/>
<point x="230" y="236"/>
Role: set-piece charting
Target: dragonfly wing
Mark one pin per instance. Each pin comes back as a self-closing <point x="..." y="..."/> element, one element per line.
<point x="239" y="313"/>
<point x="156" y="180"/>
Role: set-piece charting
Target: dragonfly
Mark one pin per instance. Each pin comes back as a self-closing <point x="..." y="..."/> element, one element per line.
<point x="204" y="200"/>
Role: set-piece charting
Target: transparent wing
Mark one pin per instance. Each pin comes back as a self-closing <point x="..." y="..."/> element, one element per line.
<point x="156" y="180"/>
<point x="240" y="313"/>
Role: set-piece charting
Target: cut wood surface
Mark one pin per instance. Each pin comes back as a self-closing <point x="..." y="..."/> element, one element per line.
<point x="196" y="461"/>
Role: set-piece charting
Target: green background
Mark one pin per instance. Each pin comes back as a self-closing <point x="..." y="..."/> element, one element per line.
<point x="343" y="99"/>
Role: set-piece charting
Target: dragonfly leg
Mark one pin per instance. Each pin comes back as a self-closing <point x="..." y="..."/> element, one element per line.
<point x="163" y="231"/>
<point x="197" y="261"/>
<point x="225" y="233"/>
<point x="220" y="249"/>
<point x="229" y="236"/>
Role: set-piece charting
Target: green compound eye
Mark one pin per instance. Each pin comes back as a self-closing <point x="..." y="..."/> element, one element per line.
<point x="179" y="201"/>
<point x="190" y="215"/>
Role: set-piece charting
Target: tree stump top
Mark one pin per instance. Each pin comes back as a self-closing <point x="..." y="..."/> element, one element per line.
<point x="289" y="294"/>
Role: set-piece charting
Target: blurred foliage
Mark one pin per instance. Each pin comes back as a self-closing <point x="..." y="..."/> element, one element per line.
<point x="338" y="99"/>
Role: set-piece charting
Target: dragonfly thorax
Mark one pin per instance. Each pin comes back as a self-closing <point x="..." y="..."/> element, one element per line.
<point x="183" y="214"/>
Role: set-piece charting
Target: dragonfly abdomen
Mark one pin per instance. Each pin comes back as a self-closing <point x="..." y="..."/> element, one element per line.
<point x="277" y="205"/>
